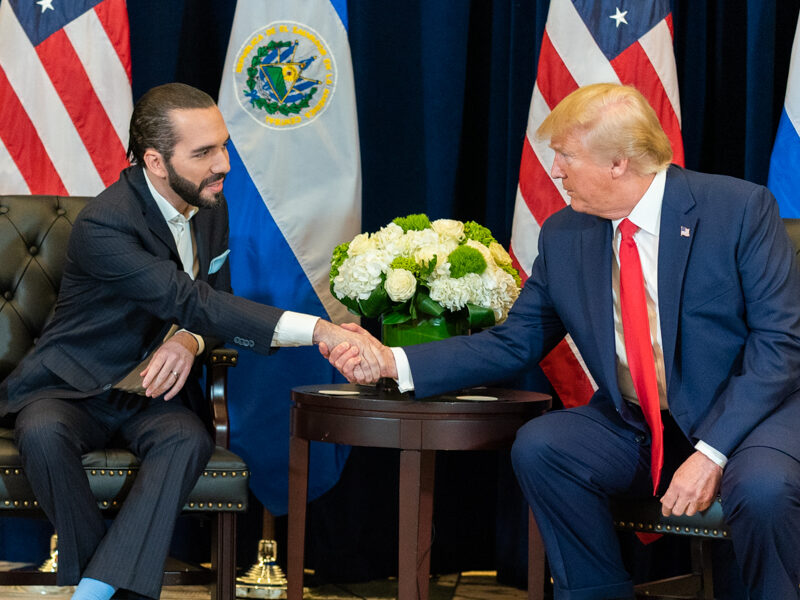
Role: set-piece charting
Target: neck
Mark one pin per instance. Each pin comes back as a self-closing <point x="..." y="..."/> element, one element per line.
<point x="162" y="187"/>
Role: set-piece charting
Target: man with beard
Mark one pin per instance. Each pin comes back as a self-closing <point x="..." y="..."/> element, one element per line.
<point x="146" y="288"/>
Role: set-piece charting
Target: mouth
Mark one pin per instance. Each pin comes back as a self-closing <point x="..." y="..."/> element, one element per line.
<point x="213" y="184"/>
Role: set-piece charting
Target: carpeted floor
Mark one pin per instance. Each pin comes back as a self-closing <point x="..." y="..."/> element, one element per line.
<point x="464" y="586"/>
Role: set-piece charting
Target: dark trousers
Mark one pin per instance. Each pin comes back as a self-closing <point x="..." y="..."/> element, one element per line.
<point x="173" y="447"/>
<point x="570" y="462"/>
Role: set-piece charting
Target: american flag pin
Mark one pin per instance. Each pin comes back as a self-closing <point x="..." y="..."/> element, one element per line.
<point x="685" y="231"/>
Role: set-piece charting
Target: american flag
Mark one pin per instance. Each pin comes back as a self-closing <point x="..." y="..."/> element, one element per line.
<point x="65" y="95"/>
<point x="589" y="41"/>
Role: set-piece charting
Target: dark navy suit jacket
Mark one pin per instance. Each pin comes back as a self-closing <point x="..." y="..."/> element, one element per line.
<point x="123" y="287"/>
<point x="729" y="303"/>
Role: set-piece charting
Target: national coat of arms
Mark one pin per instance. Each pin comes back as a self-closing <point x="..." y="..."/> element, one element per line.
<point x="284" y="75"/>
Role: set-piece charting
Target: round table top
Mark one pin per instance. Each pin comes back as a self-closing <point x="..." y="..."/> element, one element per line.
<point x="475" y="400"/>
<point x="474" y="419"/>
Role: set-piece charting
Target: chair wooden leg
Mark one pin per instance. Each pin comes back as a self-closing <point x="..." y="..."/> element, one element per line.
<point x="536" y="556"/>
<point x="701" y="560"/>
<point x="223" y="556"/>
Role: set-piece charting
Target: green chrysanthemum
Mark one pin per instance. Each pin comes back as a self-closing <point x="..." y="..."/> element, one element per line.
<point x="413" y="222"/>
<point x="404" y="262"/>
<point x="338" y="257"/>
<point x="466" y="259"/>
<point x="479" y="233"/>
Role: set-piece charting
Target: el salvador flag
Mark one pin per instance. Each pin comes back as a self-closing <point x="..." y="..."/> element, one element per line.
<point x="784" y="166"/>
<point x="294" y="194"/>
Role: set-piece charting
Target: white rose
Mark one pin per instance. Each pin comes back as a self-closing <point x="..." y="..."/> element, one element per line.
<point x="449" y="228"/>
<point x="360" y="244"/>
<point x="400" y="284"/>
<point x="501" y="257"/>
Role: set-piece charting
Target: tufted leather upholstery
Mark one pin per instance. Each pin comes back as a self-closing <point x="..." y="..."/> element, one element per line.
<point x="34" y="231"/>
<point x="33" y="240"/>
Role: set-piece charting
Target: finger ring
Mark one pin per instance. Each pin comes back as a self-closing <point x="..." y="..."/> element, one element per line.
<point x="175" y="373"/>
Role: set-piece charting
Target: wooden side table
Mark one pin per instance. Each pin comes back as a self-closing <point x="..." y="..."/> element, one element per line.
<point x="477" y="419"/>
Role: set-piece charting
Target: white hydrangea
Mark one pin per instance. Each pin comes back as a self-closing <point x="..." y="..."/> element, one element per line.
<point x="500" y="292"/>
<point x="391" y="240"/>
<point x="420" y="239"/>
<point x="359" y="275"/>
<point x="453" y="294"/>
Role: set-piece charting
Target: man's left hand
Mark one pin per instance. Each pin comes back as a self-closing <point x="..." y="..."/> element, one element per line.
<point x="693" y="487"/>
<point x="169" y="366"/>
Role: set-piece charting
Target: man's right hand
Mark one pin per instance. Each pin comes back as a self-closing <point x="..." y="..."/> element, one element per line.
<point x="359" y="356"/>
<point x="354" y="352"/>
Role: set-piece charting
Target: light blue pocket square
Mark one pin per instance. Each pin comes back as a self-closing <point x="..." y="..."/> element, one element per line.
<point x="216" y="263"/>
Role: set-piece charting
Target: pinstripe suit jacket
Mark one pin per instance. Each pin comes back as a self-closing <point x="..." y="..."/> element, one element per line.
<point x="123" y="287"/>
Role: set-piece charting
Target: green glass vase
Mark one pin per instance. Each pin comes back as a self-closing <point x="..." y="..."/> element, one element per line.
<point x="419" y="331"/>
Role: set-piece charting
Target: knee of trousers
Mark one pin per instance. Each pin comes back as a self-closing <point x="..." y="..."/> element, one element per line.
<point x="534" y="450"/>
<point x="46" y="437"/>
<point x="760" y="498"/>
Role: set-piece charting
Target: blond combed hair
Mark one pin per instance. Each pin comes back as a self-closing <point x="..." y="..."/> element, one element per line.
<point x="612" y="121"/>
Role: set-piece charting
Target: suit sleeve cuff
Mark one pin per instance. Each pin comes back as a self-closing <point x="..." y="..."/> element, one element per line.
<point x="712" y="453"/>
<point x="294" y="329"/>
<point x="201" y="345"/>
<point x="405" y="383"/>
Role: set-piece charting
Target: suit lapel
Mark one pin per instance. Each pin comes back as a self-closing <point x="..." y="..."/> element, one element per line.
<point x="596" y="254"/>
<point x="202" y="238"/>
<point x="152" y="215"/>
<point x="675" y="242"/>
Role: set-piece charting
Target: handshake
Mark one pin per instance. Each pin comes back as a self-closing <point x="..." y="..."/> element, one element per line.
<point x="354" y="352"/>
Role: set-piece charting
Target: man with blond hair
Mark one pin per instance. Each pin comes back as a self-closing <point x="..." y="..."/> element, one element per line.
<point x="681" y="292"/>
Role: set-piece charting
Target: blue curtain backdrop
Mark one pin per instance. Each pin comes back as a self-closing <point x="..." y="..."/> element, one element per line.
<point x="443" y="91"/>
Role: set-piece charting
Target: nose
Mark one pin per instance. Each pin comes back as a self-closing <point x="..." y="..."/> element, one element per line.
<point x="556" y="171"/>
<point x="222" y="163"/>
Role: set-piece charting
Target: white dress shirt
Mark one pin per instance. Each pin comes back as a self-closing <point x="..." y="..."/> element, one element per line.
<point x="647" y="216"/>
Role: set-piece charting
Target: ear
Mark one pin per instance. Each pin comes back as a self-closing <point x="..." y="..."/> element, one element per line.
<point x="154" y="162"/>
<point x="619" y="166"/>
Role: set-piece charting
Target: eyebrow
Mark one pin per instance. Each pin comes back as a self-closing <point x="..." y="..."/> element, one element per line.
<point x="202" y="148"/>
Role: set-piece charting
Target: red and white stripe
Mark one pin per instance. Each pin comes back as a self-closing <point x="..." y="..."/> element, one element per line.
<point x="570" y="58"/>
<point x="65" y="104"/>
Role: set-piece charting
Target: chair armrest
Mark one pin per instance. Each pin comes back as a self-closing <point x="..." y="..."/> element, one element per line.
<point x="217" y="365"/>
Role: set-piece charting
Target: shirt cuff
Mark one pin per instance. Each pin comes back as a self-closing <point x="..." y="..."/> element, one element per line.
<point x="405" y="383"/>
<point x="201" y="345"/>
<point x="712" y="453"/>
<point x="294" y="329"/>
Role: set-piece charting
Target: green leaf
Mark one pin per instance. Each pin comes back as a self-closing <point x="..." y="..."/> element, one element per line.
<point x="427" y="305"/>
<point x="479" y="317"/>
<point x="395" y="318"/>
<point x="377" y="303"/>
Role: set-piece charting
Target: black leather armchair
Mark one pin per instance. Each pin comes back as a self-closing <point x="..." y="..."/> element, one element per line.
<point x="33" y="238"/>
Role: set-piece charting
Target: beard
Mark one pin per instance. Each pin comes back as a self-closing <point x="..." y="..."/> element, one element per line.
<point x="191" y="193"/>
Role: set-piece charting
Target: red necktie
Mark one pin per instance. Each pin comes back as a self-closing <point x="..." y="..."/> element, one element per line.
<point x="639" y="349"/>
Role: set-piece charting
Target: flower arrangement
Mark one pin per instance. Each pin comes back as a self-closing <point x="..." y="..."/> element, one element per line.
<point x="414" y="270"/>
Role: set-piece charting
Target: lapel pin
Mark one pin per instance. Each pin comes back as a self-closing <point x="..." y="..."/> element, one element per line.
<point x="685" y="231"/>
